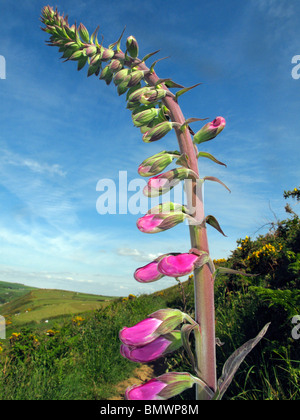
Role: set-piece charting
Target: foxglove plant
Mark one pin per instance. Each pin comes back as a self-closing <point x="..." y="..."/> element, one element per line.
<point x="156" y="112"/>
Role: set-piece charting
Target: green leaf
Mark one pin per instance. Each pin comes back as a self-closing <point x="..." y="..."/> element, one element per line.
<point x="148" y="56"/>
<point x="154" y="64"/>
<point x="211" y="157"/>
<point x="212" y="178"/>
<point x="212" y="221"/>
<point x="81" y="63"/>
<point x="233" y="363"/>
<point x="226" y="270"/>
<point x="182" y="91"/>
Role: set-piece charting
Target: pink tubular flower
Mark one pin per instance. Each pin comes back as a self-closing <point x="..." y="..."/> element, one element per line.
<point x="177" y="265"/>
<point x="161" y="388"/>
<point x="148" y="273"/>
<point x="210" y="130"/>
<point x="154" y="223"/>
<point x="152" y="351"/>
<point x="140" y="334"/>
<point x="148" y="391"/>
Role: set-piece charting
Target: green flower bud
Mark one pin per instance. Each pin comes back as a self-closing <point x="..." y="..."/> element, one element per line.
<point x="91" y="50"/>
<point x="136" y="77"/>
<point x="132" y="47"/>
<point x="107" y="54"/>
<point x="83" y="32"/>
<point x="144" y="117"/>
<point x="106" y="75"/>
<point x="115" y="65"/>
<point x="120" y="76"/>
<point x="158" y="131"/>
<point x="156" y="163"/>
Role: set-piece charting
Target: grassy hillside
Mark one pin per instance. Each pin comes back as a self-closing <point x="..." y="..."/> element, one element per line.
<point x="11" y="291"/>
<point x="40" y="305"/>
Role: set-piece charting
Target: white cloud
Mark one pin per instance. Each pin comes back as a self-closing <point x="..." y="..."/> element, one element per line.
<point x="138" y="255"/>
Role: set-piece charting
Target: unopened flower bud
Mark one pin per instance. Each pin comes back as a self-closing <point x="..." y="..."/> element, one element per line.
<point x="144" y="117"/>
<point x="157" y="132"/>
<point x="156" y="163"/>
<point x="132" y="47"/>
<point x="136" y="77"/>
<point x="106" y="75"/>
<point x="210" y="130"/>
<point x="120" y="75"/>
<point x="155" y="223"/>
<point x="107" y="54"/>
<point x="115" y="65"/>
<point x="91" y="50"/>
<point x="83" y="33"/>
<point x="163" y="183"/>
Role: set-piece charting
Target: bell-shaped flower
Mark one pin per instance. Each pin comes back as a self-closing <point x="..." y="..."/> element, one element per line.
<point x="177" y="265"/>
<point x="161" y="346"/>
<point x="155" y="223"/>
<point x="159" y="323"/>
<point x="149" y="272"/>
<point x="161" y="388"/>
<point x="140" y="334"/>
<point x="210" y="130"/>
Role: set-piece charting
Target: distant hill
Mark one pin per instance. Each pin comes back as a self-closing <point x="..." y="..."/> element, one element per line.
<point x="32" y="305"/>
<point x="11" y="291"/>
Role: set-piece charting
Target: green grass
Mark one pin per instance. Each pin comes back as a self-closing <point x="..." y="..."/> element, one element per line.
<point x="40" y="305"/>
<point x="11" y="291"/>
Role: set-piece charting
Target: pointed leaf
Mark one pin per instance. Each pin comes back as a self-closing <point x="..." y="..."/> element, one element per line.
<point x="94" y="34"/>
<point x="212" y="221"/>
<point x="182" y="91"/>
<point x="117" y="43"/>
<point x="211" y="157"/>
<point x="148" y="56"/>
<point x="212" y="178"/>
<point x="154" y="64"/>
<point x="233" y="363"/>
<point x="226" y="270"/>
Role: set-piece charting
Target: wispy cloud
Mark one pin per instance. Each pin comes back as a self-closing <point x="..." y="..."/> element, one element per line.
<point x="137" y="254"/>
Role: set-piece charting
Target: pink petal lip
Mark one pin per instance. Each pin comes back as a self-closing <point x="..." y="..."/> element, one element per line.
<point x="148" y="273"/>
<point x="148" y="222"/>
<point x="147" y="353"/>
<point x="217" y="122"/>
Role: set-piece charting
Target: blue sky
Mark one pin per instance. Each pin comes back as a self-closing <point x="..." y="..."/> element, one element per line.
<point x="62" y="132"/>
